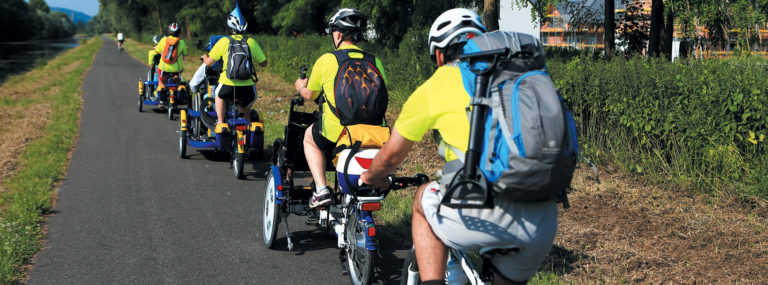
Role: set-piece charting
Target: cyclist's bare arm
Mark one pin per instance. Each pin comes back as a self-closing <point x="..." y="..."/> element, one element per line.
<point x="208" y="60"/>
<point x="391" y="155"/>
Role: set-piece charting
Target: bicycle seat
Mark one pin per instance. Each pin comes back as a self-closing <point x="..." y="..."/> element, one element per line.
<point x="490" y="251"/>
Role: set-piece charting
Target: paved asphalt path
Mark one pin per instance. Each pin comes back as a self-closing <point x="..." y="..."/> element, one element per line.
<point x="130" y="211"/>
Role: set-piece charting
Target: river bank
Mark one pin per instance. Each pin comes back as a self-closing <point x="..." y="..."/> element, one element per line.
<point x="40" y="114"/>
<point x="19" y="57"/>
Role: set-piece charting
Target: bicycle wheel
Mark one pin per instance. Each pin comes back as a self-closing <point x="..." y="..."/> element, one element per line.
<point x="170" y="112"/>
<point x="141" y="102"/>
<point x="271" y="218"/>
<point x="237" y="164"/>
<point x="183" y="144"/>
<point x="359" y="258"/>
<point x="410" y="272"/>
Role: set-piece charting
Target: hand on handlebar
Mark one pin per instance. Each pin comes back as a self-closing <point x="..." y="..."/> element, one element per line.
<point x="377" y="183"/>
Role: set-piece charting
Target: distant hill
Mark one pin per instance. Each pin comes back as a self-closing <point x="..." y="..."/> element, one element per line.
<point x="74" y="15"/>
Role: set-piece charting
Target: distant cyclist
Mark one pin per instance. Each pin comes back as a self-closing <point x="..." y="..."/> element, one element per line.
<point x="234" y="83"/>
<point x="525" y="230"/>
<point x="347" y="28"/>
<point x="120" y="39"/>
<point x="172" y="50"/>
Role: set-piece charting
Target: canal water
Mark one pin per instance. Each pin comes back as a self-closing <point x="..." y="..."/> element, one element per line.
<point x="20" y="57"/>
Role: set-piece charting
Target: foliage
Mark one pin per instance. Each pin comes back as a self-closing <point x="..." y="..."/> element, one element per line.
<point x="701" y="124"/>
<point x="633" y="28"/>
<point x="22" y="21"/>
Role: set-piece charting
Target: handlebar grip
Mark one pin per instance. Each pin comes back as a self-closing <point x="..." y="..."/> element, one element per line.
<point x="303" y="74"/>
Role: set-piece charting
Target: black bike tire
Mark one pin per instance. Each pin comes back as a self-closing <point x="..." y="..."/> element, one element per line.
<point x="238" y="162"/>
<point x="409" y="259"/>
<point x="367" y="256"/>
<point x="269" y="237"/>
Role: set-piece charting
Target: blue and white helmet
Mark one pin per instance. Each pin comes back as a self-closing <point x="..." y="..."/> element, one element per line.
<point x="236" y="21"/>
<point x="454" y="26"/>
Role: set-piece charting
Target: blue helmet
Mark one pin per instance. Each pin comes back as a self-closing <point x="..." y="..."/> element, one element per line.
<point x="236" y="21"/>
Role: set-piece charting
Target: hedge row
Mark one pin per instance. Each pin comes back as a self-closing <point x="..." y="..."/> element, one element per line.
<point x="699" y="124"/>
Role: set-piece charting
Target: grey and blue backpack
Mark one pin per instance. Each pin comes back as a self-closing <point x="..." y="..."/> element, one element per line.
<point x="239" y="65"/>
<point x="531" y="145"/>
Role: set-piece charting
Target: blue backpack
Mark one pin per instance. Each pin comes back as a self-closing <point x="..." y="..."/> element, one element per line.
<point x="531" y="146"/>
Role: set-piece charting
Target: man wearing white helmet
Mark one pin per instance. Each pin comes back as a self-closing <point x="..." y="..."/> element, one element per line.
<point x="524" y="232"/>
<point x="347" y="28"/>
<point x="242" y="90"/>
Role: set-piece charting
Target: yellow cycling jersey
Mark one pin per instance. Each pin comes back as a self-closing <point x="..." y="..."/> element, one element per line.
<point x="440" y="104"/>
<point x="322" y="79"/>
<point x="151" y="56"/>
<point x="178" y="66"/>
<point x="221" y="51"/>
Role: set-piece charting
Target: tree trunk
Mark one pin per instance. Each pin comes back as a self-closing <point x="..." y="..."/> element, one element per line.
<point x="186" y="24"/>
<point x="491" y="14"/>
<point x="609" y="27"/>
<point x="657" y="24"/>
<point x="159" y="18"/>
<point x="669" y="31"/>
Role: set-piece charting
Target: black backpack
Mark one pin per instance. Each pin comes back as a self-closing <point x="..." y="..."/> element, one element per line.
<point x="359" y="89"/>
<point x="239" y="64"/>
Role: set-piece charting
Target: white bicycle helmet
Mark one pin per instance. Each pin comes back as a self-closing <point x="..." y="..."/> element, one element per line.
<point x="236" y="21"/>
<point x="348" y="19"/>
<point x="454" y="26"/>
<point x="174" y="29"/>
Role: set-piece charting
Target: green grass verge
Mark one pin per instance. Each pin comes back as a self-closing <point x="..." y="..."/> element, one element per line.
<point x="30" y="192"/>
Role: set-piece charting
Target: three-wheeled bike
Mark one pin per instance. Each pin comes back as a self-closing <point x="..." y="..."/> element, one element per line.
<point x="197" y="124"/>
<point x="349" y="216"/>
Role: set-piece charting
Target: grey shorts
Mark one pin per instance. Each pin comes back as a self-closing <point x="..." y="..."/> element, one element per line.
<point x="527" y="228"/>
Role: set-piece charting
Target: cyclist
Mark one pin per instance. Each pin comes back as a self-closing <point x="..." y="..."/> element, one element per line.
<point x="347" y="28"/>
<point x="170" y="48"/>
<point x="526" y="229"/>
<point x="120" y="39"/>
<point x="153" y="58"/>
<point x="243" y="91"/>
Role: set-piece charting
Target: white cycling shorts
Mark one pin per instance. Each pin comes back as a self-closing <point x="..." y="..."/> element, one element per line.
<point x="527" y="228"/>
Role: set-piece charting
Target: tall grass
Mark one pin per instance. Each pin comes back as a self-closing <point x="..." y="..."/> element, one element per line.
<point x="30" y="191"/>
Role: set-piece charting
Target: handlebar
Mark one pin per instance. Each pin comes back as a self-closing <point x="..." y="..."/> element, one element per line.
<point x="397" y="183"/>
<point x="299" y="101"/>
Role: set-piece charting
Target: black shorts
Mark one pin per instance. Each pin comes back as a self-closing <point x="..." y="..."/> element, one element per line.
<point x="321" y="141"/>
<point x="120" y="41"/>
<point x="165" y="76"/>
<point x="244" y="95"/>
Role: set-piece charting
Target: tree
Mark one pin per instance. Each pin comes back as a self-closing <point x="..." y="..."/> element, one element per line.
<point x="491" y="14"/>
<point x="633" y="28"/>
<point x="40" y="5"/>
<point x="657" y="24"/>
<point x="609" y="26"/>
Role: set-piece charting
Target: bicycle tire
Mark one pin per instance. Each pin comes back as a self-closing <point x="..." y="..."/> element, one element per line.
<point x="409" y="262"/>
<point x="359" y="258"/>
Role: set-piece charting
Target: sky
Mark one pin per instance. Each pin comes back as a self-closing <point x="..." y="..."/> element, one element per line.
<point x="89" y="7"/>
<point x="517" y="20"/>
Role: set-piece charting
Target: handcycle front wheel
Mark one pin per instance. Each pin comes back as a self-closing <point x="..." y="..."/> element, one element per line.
<point x="170" y="112"/>
<point x="141" y="102"/>
<point x="271" y="217"/>
<point x="359" y="258"/>
<point x="238" y="162"/>
<point x="183" y="144"/>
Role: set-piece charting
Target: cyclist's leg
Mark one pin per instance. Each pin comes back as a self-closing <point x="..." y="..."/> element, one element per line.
<point x="315" y="157"/>
<point x="222" y="93"/>
<point x="430" y="251"/>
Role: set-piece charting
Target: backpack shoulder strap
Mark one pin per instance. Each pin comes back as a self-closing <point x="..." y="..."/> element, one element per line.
<point x="341" y="55"/>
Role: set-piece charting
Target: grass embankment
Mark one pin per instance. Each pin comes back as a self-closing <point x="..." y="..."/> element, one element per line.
<point x="40" y="111"/>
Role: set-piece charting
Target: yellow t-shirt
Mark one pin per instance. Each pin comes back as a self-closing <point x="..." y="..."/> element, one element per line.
<point x="221" y="51"/>
<point x="441" y="104"/>
<point x="178" y="66"/>
<point x="322" y="79"/>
